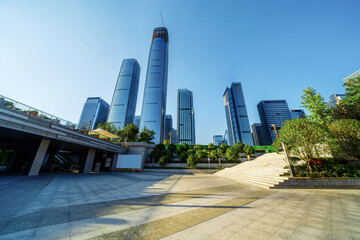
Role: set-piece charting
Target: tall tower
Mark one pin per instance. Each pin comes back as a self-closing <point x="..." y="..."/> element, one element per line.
<point x="236" y="115"/>
<point x="185" y="117"/>
<point x="95" y="112"/>
<point x="123" y="104"/>
<point x="154" y="101"/>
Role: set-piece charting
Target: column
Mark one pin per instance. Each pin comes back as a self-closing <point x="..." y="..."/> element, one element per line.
<point x="114" y="162"/>
<point x="89" y="160"/>
<point x="39" y="157"/>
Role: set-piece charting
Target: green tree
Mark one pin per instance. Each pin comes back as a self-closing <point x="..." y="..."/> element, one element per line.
<point x="191" y="160"/>
<point x="304" y="138"/>
<point x="171" y="147"/>
<point x="129" y="132"/>
<point x="352" y="91"/>
<point x="160" y="147"/>
<point x="198" y="147"/>
<point x="201" y="154"/>
<point x="347" y="136"/>
<point x="224" y="147"/>
<point x="316" y="105"/>
<point x="146" y="135"/>
<point x="108" y="126"/>
<point x="239" y="146"/>
<point x="346" y="111"/>
<point x="249" y="150"/>
<point x="232" y="154"/>
<point x="163" y="161"/>
<point x="184" y="147"/>
<point x="183" y="156"/>
<point x="211" y="147"/>
<point x="155" y="155"/>
<point x="214" y="155"/>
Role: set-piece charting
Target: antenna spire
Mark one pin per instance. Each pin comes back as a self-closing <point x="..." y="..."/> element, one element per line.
<point x="162" y="19"/>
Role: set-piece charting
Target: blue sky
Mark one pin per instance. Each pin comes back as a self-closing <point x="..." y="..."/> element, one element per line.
<point x="55" y="54"/>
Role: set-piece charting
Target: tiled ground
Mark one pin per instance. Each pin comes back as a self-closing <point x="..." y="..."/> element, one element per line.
<point x="158" y="205"/>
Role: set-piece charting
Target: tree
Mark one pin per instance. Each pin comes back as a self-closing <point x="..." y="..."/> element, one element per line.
<point x="183" y="156"/>
<point x="155" y="155"/>
<point x="172" y="147"/>
<point x="163" y="161"/>
<point x="198" y="147"/>
<point x="146" y="135"/>
<point x="316" y="105"/>
<point x="346" y="111"/>
<point x="352" y="90"/>
<point x="239" y="146"/>
<point x="166" y="141"/>
<point x="232" y="154"/>
<point x="223" y="147"/>
<point x="160" y="147"/>
<point x="184" y="147"/>
<point x="304" y="138"/>
<point x="347" y="136"/>
<point x="108" y="126"/>
<point x="249" y="150"/>
<point x="191" y="161"/>
<point x="214" y="155"/>
<point x="129" y="132"/>
<point x="201" y="154"/>
<point x="211" y="147"/>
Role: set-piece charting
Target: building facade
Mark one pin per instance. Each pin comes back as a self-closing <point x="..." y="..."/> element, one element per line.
<point x="154" y="101"/>
<point x="258" y="134"/>
<point x="352" y="76"/>
<point x="297" y="113"/>
<point x="168" y="127"/>
<point x="236" y="115"/>
<point x="123" y="104"/>
<point x="273" y="112"/>
<point x="137" y="122"/>
<point x="218" y="140"/>
<point x="335" y="99"/>
<point x="185" y="117"/>
<point x="94" y="112"/>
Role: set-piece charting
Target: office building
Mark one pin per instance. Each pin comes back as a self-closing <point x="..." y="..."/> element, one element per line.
<point x="94" y="112"/>
<point x="218" y="140"/>
<point x="174" y="139"/>
<point x="185" y="117"/>
<point x="352" y="76"/>
<point x="258" y="135"/>
<point x="236" y="115"/>
<point x="297" y="113"/>
<point x="168" y="127"/>
<point x="137" y="122"/>
<point x="335" y="99"/>
<point x="154" y="101"/>
<point x="123" y="104"/>
<point x="273" y="112"/>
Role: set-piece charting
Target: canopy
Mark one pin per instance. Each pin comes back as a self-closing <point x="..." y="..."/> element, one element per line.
<point x="102" y="133"/>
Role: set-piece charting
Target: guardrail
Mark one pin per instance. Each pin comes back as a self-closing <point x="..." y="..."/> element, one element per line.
<point x="6" y="102"/>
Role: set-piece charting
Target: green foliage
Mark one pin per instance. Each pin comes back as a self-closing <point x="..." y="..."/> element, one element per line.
<point x="166" y="141"/>
<point x="146" y="135"/>
<point x="201" y="154"/>
<point x="160" y="146"/>
<point x="184" y="147"/>
<point x="214" y="155"/>
<point x="191" y="160"/>
<point x="346" y="111"/>
<point x="352" y="88"/>
<point x="163" y="161"/>
<point x="239" y="146"/>
<point x="316" y="105"/>
<point x="211" y="147"/>
<point x="171" y="147"/>
<point x="222" y="149"/>
<point x="108" y="126"/>
<point x="183" y="156"/>
<point x="128" y="133"/>
<point x="198" y="147"/>
<point x="191" y="152"/>
<point x="249" y="149"/>
<point x="302" y="137"/>
<point x="347" y="136"/>
<point x="155" y="155"/>
<point x="232" y="154"/>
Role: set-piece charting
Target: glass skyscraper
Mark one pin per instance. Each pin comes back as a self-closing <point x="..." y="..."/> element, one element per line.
<point x="236" y="115"/>
<point x="154" y="101"/>
<point x="258" y="134"/>
<point x="185" y="117"/>
<point x="273" y="112"/>
<point x="297" y="113"/>
<point x="123" y="104"/>
<point x="218" y="140"/>
<point x="137" y="122"/>
<point x="95" y="112"/>
<point x="168" y="126"/>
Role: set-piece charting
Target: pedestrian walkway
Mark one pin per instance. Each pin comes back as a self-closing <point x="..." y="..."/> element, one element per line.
<point x="160" y="205"/>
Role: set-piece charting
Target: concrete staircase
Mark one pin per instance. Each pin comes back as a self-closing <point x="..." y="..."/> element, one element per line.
<point x="264" y="171"/>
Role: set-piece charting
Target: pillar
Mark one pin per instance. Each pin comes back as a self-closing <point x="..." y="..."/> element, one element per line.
<point x="39" y="157"/>
<point x="114" y="162"/>
<point x="89" y="160"/>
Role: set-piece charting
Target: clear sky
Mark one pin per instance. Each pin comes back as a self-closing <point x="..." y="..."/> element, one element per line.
<point x="55" y="54"/>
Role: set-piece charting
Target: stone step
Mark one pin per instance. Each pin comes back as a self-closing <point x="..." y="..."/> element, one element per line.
<point x="263" y="180"/>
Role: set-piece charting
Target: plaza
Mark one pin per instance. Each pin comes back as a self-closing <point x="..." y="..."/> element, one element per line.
<point x="154" y="205"/>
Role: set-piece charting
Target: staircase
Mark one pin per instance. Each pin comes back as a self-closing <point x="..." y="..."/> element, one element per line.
<point x="264" y="171"/>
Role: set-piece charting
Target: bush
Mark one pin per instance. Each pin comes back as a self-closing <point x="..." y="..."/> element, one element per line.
<point x="172" y="147"/>
<point x="184" y="147"/>
<point x="198" y="147"/>
<point x="183" y="156"/>
<point x="163" y="161"/>
<point x="232" y="154"/>
<point x="201" y="154"/>
<point x="191" y="161"/>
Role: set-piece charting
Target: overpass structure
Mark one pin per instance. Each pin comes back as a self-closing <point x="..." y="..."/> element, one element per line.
<point x="34" y="139"/>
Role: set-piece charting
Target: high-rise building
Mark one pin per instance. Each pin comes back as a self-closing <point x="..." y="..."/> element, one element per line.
<point x="168" y="126"/>
<point x="297" y="113"/>
<point x="123" y="104"/>
<point x="137" y="122"/>
<point x="218" y="140"/>
<point x="174" y="139"/>
<point x="352" y="76"/>
<point x="273" y="112"/>
<point x="154" y="101"/>
<point x="185" y="117"/>
<point x="236" y="115"/>
<point x="335" y="99"/>
<point x="94" y="112"/>
<point x="258" y="134"/>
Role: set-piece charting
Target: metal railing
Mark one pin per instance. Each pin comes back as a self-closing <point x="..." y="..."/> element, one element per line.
<point x="6" y="102"/>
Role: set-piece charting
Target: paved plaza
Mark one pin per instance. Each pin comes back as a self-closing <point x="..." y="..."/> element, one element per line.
<point x="169" y="206"/>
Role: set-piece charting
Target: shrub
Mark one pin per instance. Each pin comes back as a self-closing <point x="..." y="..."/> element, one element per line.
<point x="191" y="161"/>
<point x="184" y="147"/>
<point x="183" y="156"/>
<point x="198" y="147"/>
<point x="163" y="161"/>
<point x="160" y="146"/>
<point x="172" y="147"/>
<point x="232" y="154"/>
<point x="201" y="154"/>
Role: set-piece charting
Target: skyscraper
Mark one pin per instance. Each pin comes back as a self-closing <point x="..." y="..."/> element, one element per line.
<point x="236" y="115"/>
<point x="168" y="126"/>
<point x="185" y="117"/>
<point x="273" y="112"/>
<point x="351" y="76"/>
<point x="94" y="112"/>
<point x="154" y="101"/>
<point x="297" y="113"/>
<point x="137" y="122"/>
<point x="218" y="140"/>
<point x="258" y="134"/>
<point x="335" y="99"/>
<point x="123" y="104"/>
